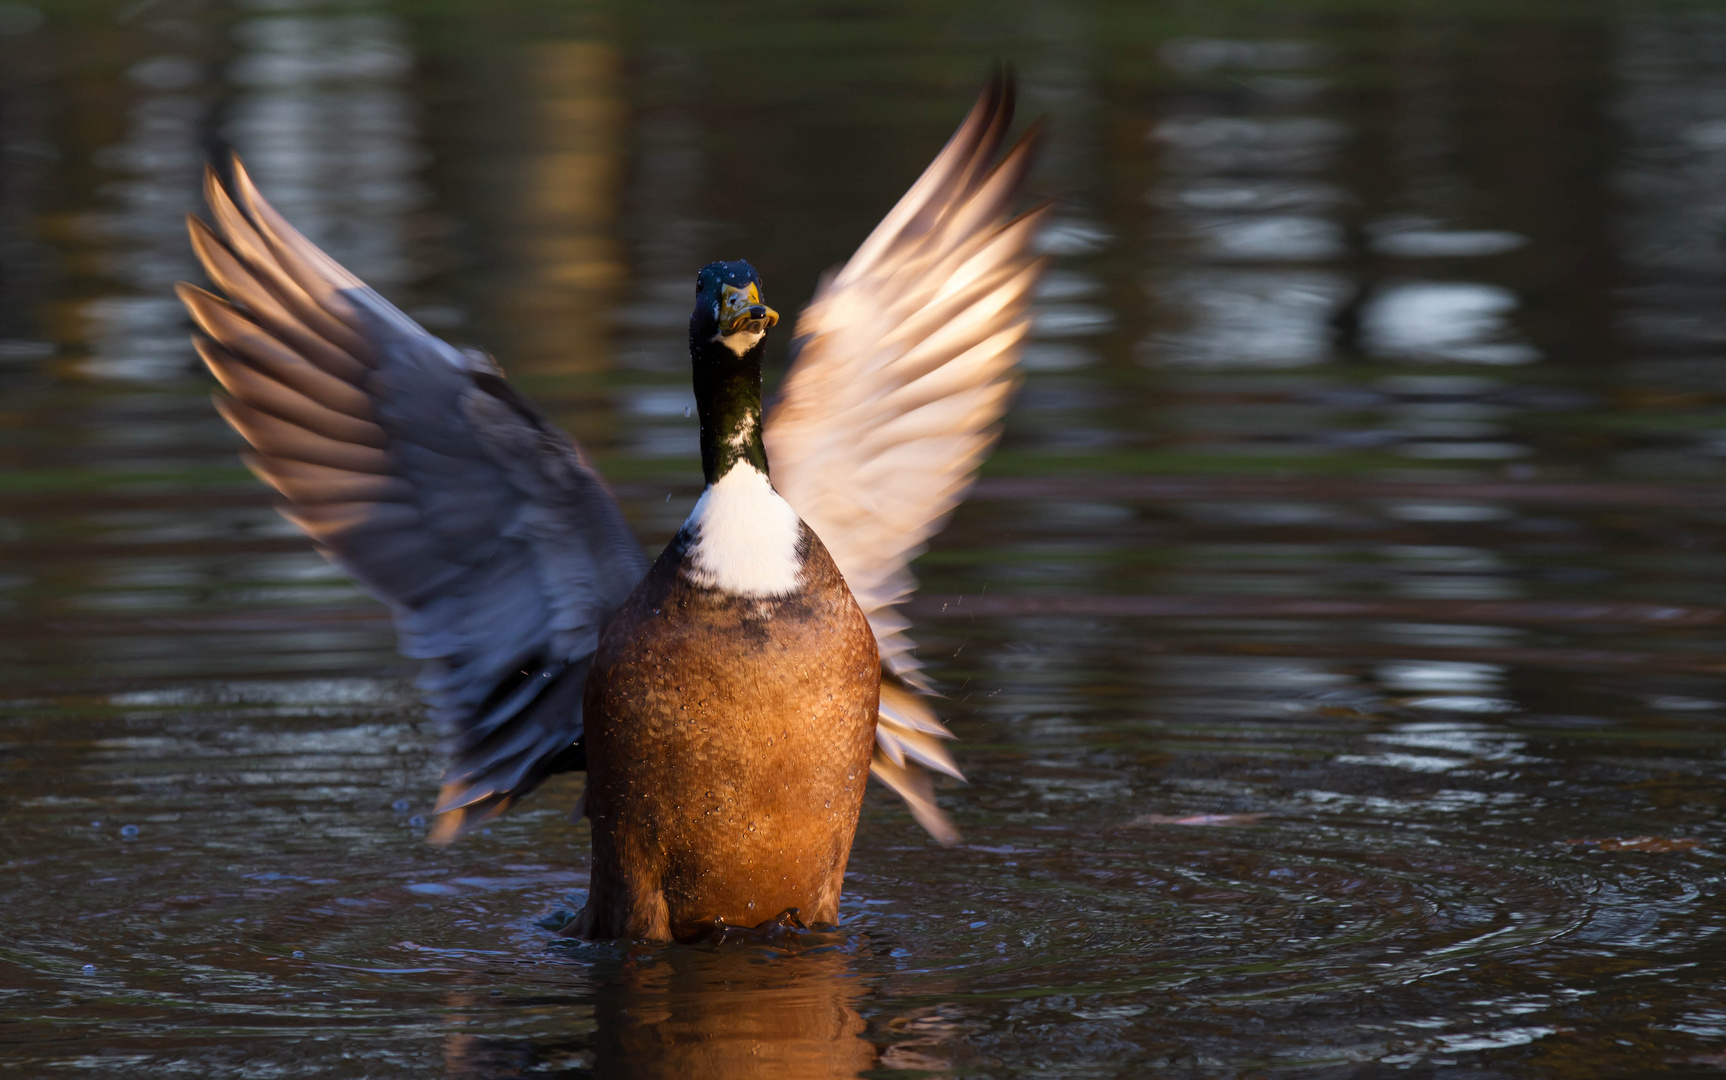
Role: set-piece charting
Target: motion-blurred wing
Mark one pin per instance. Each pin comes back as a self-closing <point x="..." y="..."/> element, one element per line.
<point x="903" y="364"/>
<point x="420" y="471"/>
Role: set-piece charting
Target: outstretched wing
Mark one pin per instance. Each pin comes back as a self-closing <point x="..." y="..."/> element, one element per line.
<point x="419" y="470"/>
<point x="903" y="364"/>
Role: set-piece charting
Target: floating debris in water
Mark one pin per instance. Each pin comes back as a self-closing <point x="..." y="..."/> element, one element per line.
<point x="89" y="969"/>
<point x="400" y="806"/>
<point x="299" y="954"/>
<point x="417" y="820"/>
<point x="128" y="831"/>
<point x="95" y="824"/>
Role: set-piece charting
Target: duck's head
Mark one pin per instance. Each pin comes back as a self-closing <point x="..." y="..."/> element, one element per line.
<point x="728" y="308"/>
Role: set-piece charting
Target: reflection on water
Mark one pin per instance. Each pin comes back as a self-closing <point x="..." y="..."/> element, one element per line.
<point x="321" y="117"/>
<point x="1335" y="640"/>
<point x="736" y="1013"/>
<point x="694" y="1014"/>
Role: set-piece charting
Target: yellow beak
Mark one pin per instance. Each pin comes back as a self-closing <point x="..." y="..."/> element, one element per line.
<point x="741" y="311"/>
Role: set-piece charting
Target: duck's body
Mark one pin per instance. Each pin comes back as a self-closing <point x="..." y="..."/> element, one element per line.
<point x="728" y="745"/>
<point x="727" y="702"/>
<point x="732" y="703"/>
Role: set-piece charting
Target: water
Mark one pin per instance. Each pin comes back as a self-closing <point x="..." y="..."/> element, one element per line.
<point x="1338" y="640"/>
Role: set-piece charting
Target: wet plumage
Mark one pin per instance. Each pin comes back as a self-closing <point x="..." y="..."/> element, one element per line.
<point x="727" y="701"/>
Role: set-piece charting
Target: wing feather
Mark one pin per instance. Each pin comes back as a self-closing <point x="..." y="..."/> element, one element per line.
<point x="308" y="485"/>
<point x="285" y="439"/>
<point x="903" y="365"/>
<point x="243" y="337"/>
<point x="265" y="394"/>
<point x="231" y="276"/>
<point x="250" y="249"/>
<point x="419" y="470"/>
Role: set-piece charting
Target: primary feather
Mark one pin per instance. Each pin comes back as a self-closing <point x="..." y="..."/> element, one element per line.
<point x="903" y="365"/>
<point x="419" y="470"/>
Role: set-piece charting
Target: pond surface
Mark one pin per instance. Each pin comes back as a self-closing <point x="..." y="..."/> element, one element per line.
<point x="1338" y="638"/>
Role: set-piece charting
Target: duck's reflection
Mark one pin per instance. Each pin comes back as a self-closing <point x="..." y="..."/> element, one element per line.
<point x="732" y="1013"/>
<point x="728" y="1012"/>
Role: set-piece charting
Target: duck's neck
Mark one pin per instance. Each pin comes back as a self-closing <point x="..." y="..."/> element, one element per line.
<point x="728" y="398"/>
<point x="741" y="539"/>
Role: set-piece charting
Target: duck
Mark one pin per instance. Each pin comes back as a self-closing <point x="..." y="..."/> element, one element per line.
<point x="729" y="700"/>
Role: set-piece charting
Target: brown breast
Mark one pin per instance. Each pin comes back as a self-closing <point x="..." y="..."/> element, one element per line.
<point x="728" y="745"/>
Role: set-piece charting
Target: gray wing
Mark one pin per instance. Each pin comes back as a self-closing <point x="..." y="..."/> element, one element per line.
<point x="903" y="365"/>
<point x="416" y="468"/>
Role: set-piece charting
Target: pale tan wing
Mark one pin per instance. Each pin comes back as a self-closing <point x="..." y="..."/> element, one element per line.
<point x="903" y="365"/>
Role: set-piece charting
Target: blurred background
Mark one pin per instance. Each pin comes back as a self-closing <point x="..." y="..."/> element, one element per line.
<point x="1337" y="637"/>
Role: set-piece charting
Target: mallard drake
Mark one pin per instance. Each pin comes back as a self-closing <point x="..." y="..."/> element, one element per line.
<point x="728" y="701"/>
